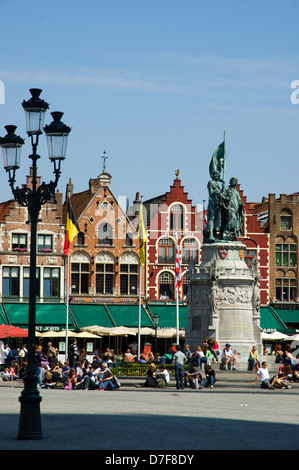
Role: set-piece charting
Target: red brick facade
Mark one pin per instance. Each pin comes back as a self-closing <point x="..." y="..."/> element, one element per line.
<point x="171" y="218"/>
<point x="257" y="242"/>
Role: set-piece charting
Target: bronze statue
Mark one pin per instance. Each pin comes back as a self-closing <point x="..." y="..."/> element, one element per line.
<point x="225" y="213"/>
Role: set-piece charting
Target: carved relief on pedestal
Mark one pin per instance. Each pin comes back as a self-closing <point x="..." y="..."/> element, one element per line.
<point x="235" y="295"/>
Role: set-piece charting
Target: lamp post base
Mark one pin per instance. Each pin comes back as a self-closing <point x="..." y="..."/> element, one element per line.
<point x="30" y="418"/>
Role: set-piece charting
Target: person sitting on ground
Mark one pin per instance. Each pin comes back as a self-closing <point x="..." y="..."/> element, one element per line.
<point x="253" y="359"/>
<point x="215" y="349"/>
<point x="151" y="358"/>
<point x="288" y="358"/>
<point x="209" y="355"/>
<point x="295" y="377"/>
<point x="71" y="379"/>
<point x="151" y="380"/>
<point x="162" y="376"/>
<point x="128" y="356"/>
<point x="57" y="372"/>
<point x="278" y="353"/>
<point x="285" y="374"/>
<point x="193" y="376"/>
<point x="6" y="375"/>
<point x="187" y="352"/>
<point x="96" y="362"/>
<point x="210" y="377"/>
<point x="228" y="357"/>
<point x="264" y="377"/>
<point x="106" y="382"/>
<point x="199" y="356"/>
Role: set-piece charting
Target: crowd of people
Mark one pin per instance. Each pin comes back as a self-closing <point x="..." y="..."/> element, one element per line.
<point x="192" y="369"/>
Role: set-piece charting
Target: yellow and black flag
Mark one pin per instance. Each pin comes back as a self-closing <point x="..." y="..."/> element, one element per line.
<point x="142" y="237"/>
<point x="72" y="228"/>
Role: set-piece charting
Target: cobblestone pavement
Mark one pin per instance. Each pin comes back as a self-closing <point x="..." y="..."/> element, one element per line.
<point x="235" y="415"/>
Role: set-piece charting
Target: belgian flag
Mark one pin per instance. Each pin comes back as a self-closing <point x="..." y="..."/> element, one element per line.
<point x="72" y="228"/>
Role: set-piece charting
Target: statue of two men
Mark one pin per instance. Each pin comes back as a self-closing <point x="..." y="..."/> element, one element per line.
<point x="225" y="209"/>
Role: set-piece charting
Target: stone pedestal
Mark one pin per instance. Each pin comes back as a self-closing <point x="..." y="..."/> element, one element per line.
<point x="223" y="300"/>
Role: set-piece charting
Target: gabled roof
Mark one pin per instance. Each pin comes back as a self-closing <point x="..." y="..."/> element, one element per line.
<point x="5" y="208"/>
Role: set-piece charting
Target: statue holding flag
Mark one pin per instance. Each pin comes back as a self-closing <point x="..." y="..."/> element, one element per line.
<point x="225" y="208"/>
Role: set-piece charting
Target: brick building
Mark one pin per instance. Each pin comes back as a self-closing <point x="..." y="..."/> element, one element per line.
<point x="171" y="219"/>
<point x="104" y="256"/>
<point x="15" y="251"/>
<point x="257" y="243"/>
<point x="281" y="220"/>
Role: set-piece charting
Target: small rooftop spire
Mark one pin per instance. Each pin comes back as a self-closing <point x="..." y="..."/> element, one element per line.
<point x="104" y="157"/>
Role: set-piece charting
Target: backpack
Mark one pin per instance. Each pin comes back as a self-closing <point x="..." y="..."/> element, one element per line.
<point x="117" y="382"/>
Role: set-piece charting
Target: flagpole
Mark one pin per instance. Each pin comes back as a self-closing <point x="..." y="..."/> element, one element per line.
<point x="177" y="316"/>
<point x="224" y="158"/>
<point x="141" y="237"/>
<point x="67" y="306"/>
<point x="177" y="300"/>
<point x="139" y="313"/>
<point x="72" y="229"/>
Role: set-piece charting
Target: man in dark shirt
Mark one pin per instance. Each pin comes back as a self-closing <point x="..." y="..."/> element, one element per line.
<point x="73" y="353"/>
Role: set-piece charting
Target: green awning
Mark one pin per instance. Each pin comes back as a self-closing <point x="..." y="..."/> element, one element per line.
<point x="89" y="315"/>
<point x="270" y="320"/>
<point x="128" y="315"/>
<point x="46" y="315"/>
<point x="288" y="316"/>
<point x="3" y="319"/>
<point x="168" y="315"/>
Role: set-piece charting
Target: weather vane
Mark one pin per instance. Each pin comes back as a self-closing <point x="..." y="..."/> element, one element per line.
<point x="177" y="173"/>
<point x="104" y="157"/>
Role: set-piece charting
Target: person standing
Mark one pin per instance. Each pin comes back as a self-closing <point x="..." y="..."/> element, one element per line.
<point x="74" y="354"/>
<point x="39" y="357"/>
<point x="51" y="355"/>
<point x="179" y="359"/>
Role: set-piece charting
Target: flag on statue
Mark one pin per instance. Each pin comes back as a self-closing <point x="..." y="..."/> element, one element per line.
<point x="72" y="228"/>
<point x="142" y="237"/>
<point x="205" y="220"/>
<point x="178" y="269"/>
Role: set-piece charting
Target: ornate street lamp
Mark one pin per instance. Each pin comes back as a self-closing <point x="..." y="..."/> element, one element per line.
<point x="33" y="198"/>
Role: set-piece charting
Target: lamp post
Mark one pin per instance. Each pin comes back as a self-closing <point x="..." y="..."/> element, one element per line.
<point x="33" y="198"/>
<point x="156" y="323"/>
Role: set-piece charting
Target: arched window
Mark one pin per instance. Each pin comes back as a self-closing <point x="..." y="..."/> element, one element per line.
<point x="129" y="273"/>
<point x="80" y="264"/>
<point x="286" y="220"/>
<point x="177" y="217"/>
<point x="166" y="251"/>
<point x="285" y="252"/>
<point x="189" y="251"/>
<point x="286" y="286"/>
<point x="166" y="286"/>
<point x="104" y="273"/>
<point x="105" y="236"/>
<point x="185" y="286"/>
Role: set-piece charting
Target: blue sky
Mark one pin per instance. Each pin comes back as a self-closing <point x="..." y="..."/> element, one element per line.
<point x="155" y="83"/>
